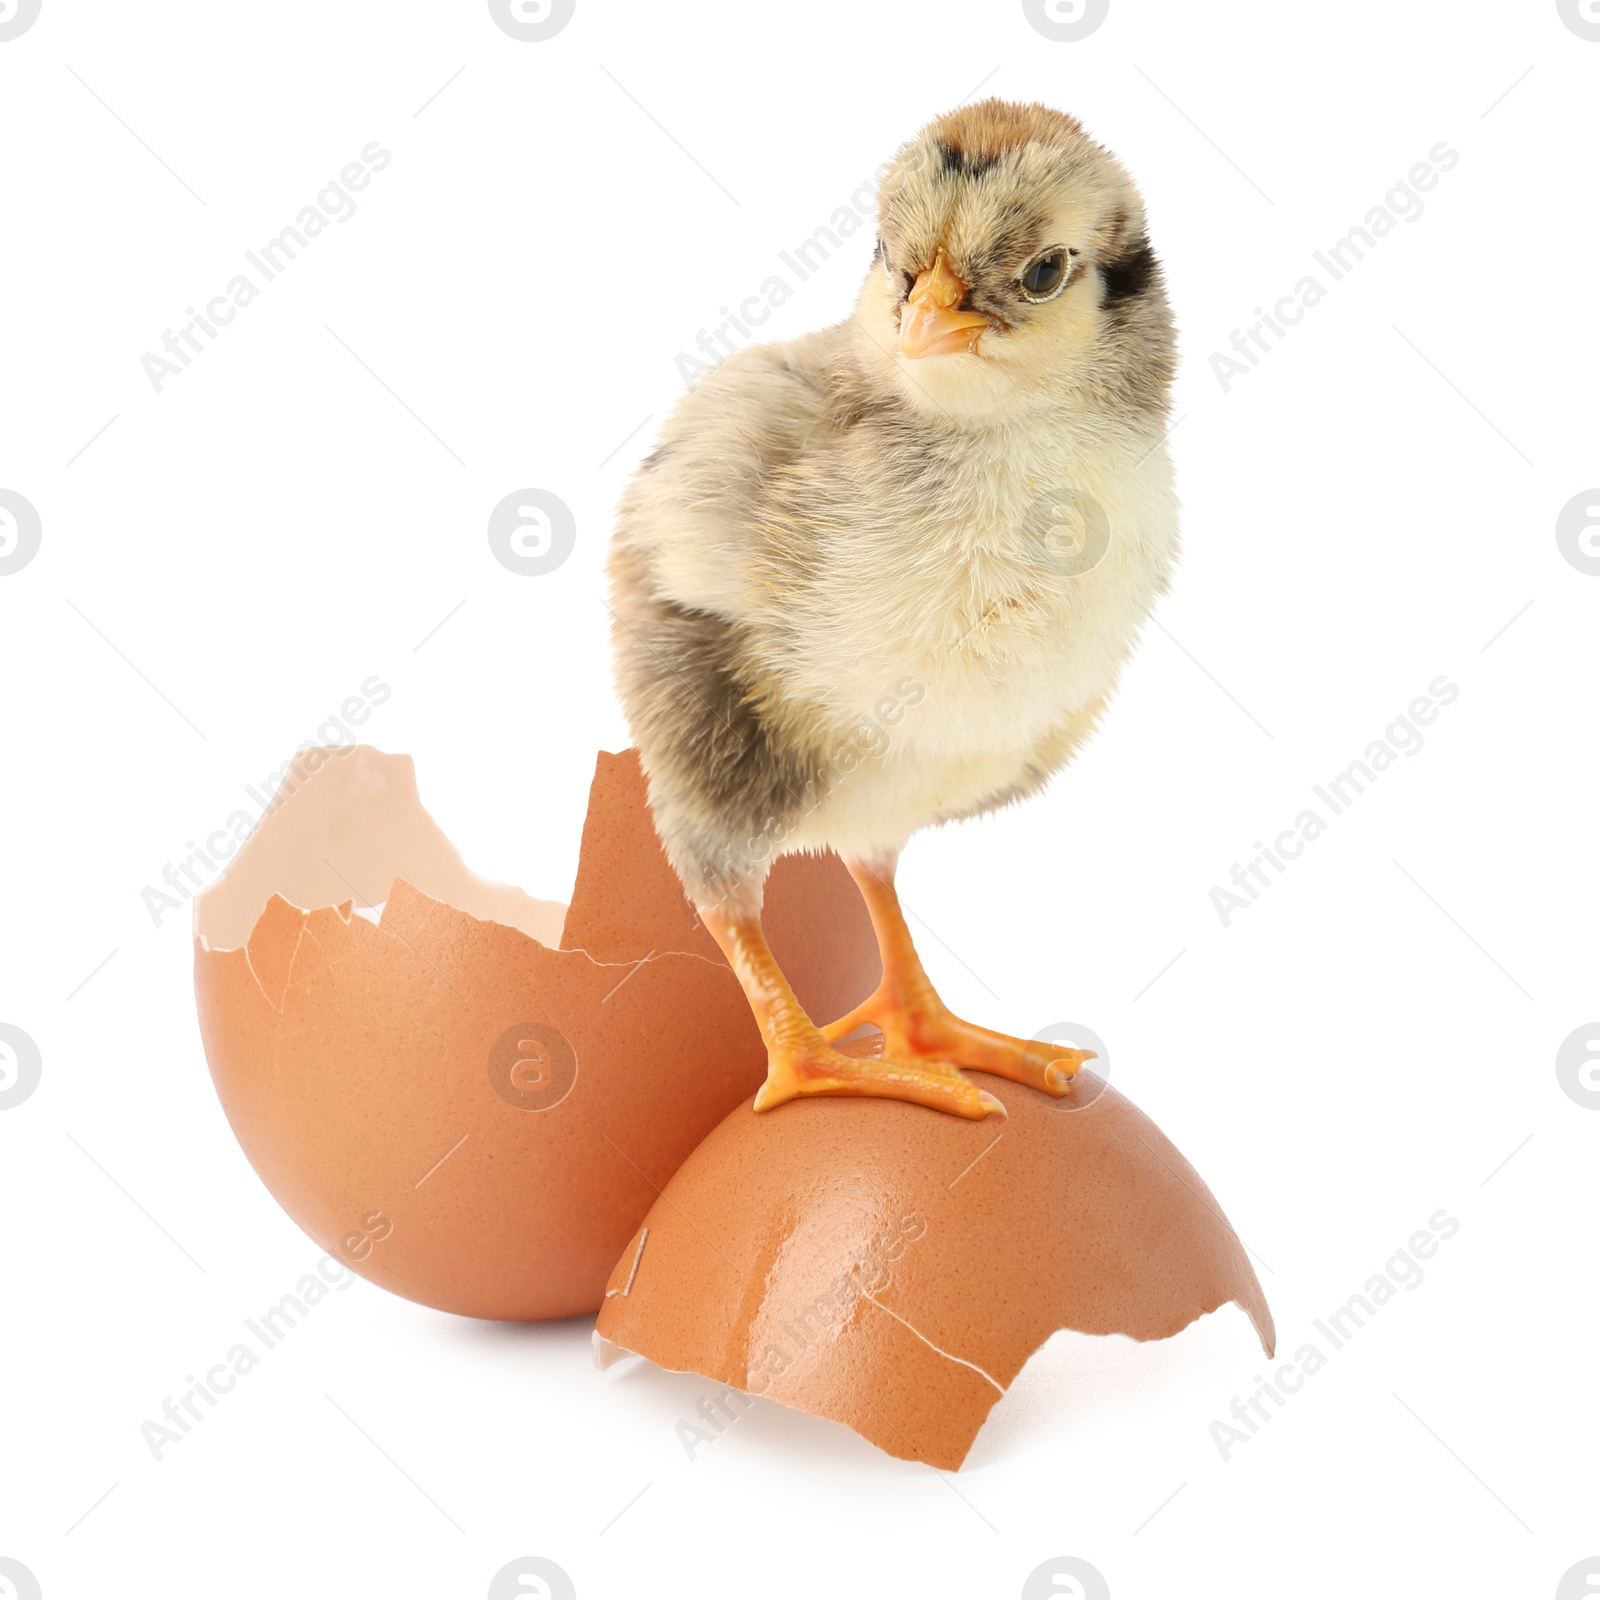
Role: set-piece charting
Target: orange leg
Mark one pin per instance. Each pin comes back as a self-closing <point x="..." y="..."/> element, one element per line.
<point x="801" y="1061"/>
<point x="916" y="1023"/>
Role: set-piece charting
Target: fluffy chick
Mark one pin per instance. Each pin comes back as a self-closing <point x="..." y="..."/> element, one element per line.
<point x="885" y="575"/>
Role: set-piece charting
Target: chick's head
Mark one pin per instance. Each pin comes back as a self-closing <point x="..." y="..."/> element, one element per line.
<point x="1013" y="267"/>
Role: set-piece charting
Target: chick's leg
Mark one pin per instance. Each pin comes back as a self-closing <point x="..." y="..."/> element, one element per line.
<point x="916" y="1023"/>
<point x="801" y="1062"/>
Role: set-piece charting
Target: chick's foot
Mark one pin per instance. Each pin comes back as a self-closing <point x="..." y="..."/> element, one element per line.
<point x="801" y="1062"/>
<point x="916" y="1023"/>
<point x="920" y="1027"/>
<point x="815" y="1068"/>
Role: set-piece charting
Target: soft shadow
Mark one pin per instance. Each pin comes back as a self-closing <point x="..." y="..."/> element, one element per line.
<point x="765" y="1428"/>
<point x="569" y="1336"/>
<point x="1076" y="1382"/>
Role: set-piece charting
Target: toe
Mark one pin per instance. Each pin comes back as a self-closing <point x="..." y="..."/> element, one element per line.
<point x="939" y="1085"/>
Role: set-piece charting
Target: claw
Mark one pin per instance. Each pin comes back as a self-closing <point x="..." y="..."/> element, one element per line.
<point x="1063" y="1069"/>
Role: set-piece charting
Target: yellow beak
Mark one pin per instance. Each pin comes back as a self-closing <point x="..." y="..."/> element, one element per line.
<point x="930" y="325"/>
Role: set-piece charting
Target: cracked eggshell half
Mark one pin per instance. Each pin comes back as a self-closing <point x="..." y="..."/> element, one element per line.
<point x="474" y="1098"/>
<point x="894" y="1269"/>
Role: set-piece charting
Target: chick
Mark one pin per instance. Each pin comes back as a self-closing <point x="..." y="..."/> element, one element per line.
<point x="885" y="575"/>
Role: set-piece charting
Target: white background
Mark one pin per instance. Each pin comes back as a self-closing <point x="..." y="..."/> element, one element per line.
<point x="228" y="560"/>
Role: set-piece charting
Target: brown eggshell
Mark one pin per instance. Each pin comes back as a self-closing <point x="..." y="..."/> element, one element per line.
<point x="894" y="1268"/>
<point x="467" y="1116"/>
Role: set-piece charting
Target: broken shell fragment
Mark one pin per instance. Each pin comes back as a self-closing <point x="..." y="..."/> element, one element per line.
<point x="474" y="1099"/>
<point x="892" y="1269"/>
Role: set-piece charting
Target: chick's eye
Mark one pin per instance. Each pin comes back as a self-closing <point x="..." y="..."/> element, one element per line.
<point x="1043" y="277"/>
